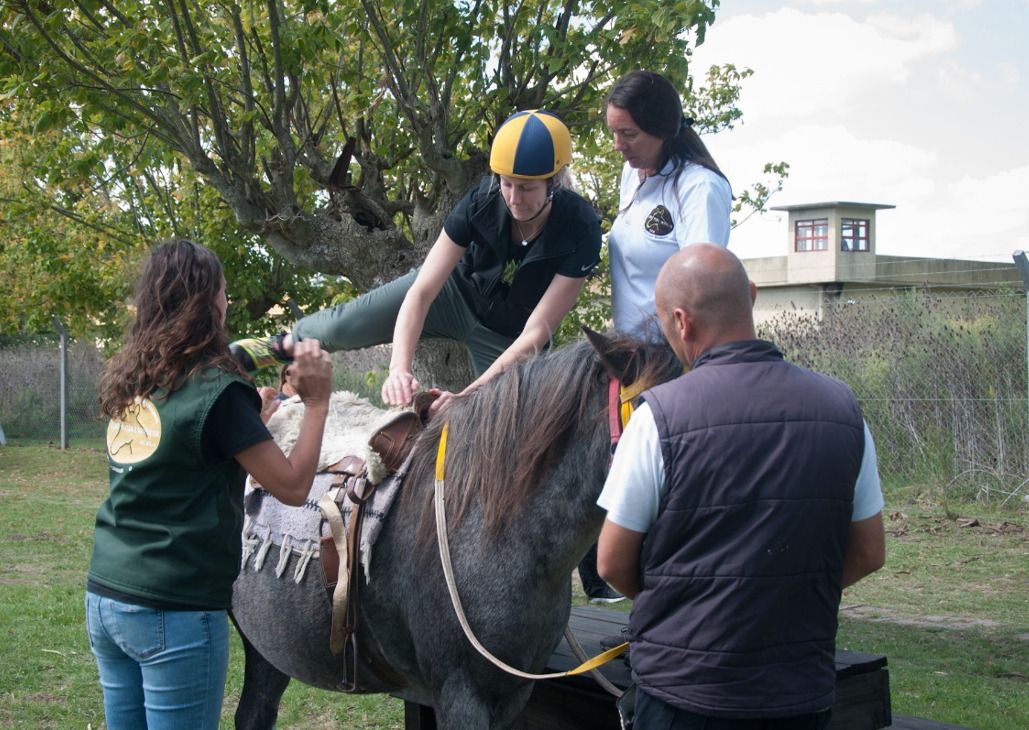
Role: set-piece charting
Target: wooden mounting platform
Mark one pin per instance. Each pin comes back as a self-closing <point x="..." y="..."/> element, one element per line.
<point x="579" y="703"/>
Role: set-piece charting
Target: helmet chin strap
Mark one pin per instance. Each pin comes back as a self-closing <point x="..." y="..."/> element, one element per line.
<point x="534" y="217"/>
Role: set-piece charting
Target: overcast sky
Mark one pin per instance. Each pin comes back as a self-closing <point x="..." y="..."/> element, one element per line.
<point x="922" y="104"/>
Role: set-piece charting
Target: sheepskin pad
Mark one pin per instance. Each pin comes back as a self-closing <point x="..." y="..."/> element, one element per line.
<point x="296" y="531"/>
<point x="351" y="421"/>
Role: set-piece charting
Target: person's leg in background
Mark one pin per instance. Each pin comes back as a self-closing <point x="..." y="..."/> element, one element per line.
<point x="362" y="322"/>
<point x="592" y="584"/>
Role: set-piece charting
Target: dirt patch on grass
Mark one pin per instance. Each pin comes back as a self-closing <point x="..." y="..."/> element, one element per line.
<point x="900" y="525"/>
<point x="876" y="614"/>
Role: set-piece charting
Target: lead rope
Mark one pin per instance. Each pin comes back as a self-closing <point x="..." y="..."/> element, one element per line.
<point x="443" y="541"/>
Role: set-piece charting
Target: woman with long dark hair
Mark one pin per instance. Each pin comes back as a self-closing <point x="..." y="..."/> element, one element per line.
<point x="185" y="424"/>
<point x="672" y="193"/>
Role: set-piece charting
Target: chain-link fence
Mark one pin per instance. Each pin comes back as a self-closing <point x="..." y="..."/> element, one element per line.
<point x="30" y="389"/>
<point x="30" y="385"/>
<point x="941" y="378"/>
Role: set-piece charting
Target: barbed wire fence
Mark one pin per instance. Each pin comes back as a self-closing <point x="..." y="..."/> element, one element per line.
<point x="941" y="377"/>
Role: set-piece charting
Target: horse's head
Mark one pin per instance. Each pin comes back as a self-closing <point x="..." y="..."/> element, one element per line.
<point x="636" y="364"/>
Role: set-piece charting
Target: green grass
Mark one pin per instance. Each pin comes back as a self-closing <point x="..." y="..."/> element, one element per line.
<point x="950" y="610"/>
<point x="48" y="679"/>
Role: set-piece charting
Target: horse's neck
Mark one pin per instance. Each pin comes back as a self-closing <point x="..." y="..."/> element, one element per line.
<point x="564" y="512"/>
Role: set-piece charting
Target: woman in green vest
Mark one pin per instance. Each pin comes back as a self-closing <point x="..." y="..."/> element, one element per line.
<point x="185" y="425"/>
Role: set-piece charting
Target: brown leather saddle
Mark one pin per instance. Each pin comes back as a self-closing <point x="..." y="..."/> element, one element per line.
<point x="393" y="443"/>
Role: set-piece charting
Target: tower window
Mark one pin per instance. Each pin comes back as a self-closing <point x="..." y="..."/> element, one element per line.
<point x="853" y="234"/>
<point x="813" y="235"/>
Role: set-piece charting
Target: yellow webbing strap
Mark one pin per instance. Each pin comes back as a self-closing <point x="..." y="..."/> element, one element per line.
<point x="600" y="659"/>
<point x="441" y="453"/>
<point x="626" y="396"/>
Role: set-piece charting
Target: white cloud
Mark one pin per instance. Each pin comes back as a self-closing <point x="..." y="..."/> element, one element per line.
<point x="917" y="111"/>
<point x="957" y="82"/>
<point x="1008" y="74"/>
<point x="829" y="163"/>
<point x="814" y="63"/>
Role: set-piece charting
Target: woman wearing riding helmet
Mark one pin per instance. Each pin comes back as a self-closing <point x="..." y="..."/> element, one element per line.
<point x="506" y="268"/>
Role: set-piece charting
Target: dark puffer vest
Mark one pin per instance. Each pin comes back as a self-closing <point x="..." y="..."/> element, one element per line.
<point x="742" y="570"/>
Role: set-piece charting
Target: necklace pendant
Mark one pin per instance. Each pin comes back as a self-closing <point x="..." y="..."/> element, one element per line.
<point x="524" y="242"/>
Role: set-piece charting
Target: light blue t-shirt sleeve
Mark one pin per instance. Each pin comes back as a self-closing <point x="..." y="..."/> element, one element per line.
<point x="636" y="482"/>
<point x="868" y="492"/>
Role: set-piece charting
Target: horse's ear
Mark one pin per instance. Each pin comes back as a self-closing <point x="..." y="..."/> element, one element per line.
<point x="614" y="359"/>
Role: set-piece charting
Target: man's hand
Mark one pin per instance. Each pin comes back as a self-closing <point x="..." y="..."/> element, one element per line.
<point x="269" y="402"/>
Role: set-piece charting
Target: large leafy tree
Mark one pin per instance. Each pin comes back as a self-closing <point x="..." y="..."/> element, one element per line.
<point x="333" y="136"/>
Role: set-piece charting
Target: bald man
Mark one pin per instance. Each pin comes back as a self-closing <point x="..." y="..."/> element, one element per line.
<point x="743" y="497"/>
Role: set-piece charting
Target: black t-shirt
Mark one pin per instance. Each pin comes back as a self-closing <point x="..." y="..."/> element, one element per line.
<point x="569" y="245"/>
<point x="233" y="425"/>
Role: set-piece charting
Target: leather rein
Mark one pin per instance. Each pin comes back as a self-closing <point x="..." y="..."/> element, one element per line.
<point x="620" y="408"/>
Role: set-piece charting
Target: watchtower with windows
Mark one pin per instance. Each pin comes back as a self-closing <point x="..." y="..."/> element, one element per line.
<point x="832" y="241"/>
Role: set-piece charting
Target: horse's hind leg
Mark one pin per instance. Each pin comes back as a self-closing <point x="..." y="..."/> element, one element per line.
<point x="263" y="686"/>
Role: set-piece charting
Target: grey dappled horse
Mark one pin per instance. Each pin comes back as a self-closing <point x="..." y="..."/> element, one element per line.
<point x="526" y="457"/>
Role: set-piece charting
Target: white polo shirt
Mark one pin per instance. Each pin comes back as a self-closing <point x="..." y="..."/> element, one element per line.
<point x="657" y="218"/>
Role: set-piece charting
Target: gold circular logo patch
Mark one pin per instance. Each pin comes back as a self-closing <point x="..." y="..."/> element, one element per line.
<point x="135" y="435"/>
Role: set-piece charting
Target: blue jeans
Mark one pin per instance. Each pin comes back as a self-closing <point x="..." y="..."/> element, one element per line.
<point x="655" y="714"/>
<point x="159" y="669"/>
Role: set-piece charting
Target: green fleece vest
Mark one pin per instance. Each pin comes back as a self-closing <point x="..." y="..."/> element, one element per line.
<point x="170" y="529"/>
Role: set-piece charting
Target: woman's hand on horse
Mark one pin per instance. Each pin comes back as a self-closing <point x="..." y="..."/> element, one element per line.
<point x="269" y="401"/>
<point x="442" y="402"/>
<point x="399" y="388"/>
<point x="311" y="372"/>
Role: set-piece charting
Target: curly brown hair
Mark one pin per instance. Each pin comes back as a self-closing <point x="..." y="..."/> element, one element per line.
<point x="177" y="330"/>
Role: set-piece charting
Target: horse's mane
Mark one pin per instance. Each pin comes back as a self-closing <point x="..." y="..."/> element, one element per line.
<point x="506" y="436"/>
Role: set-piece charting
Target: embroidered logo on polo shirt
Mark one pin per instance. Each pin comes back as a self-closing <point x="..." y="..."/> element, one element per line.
<point x="659" y="221"/>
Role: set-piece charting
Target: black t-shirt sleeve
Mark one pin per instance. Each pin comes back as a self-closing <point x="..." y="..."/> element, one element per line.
<point x="233" y="425"/>
<point x="458" y="224"/>
<point x="583" y="225"/>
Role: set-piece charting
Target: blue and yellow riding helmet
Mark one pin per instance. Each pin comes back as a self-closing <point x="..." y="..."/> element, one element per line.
<point x="531" y="145"/>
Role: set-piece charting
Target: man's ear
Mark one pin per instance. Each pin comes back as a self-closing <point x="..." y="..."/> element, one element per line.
<point x="683" y="323"/>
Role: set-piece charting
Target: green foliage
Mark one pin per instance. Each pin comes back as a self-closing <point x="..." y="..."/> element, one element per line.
<point x="224" y="123"/>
